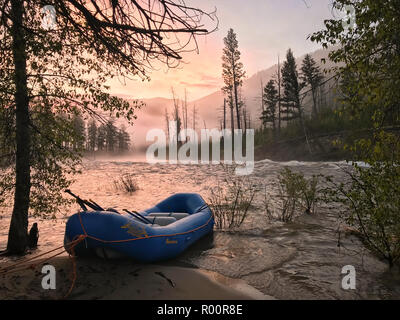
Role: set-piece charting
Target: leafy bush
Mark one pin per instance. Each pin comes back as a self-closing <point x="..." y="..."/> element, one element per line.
<point x="231" y="201"/>
<point x="371" y="202"/>
<point x="295" y="193"/>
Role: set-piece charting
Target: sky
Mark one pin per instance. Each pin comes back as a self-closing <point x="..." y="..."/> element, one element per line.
<point x="264" y="28"/>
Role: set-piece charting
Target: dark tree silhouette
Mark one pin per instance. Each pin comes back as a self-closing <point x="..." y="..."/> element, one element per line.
<point x="92" y="136"/>
<point x="311" y="75"/>
<point x="270" y="98"/>
<point x="291" y="89"/>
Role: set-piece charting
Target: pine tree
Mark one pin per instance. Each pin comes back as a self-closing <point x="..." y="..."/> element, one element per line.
<point x="111" y="135"/>
<point x="270" y="98"/>
<point x="123" y="140"/>
<point x="311" y="76"/>
<point x="291" y="90"/>
<point x="291" y="93"/>
<point x="92" y="136"/>
<point x="101" y="138"/>
<point x="79" y="128"/>
<point x="232" y="72"/>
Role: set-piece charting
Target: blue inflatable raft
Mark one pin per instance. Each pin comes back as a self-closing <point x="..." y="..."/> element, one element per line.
<point x="158" y="233"/>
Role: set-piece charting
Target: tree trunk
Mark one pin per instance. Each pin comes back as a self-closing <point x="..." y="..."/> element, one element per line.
<point x="236" y="104"/>
<point x="314" y="97"/>
<point x="232" y="121"/>
<point x="224" y="114"/>
<point x="235" y="91"/>
<point x="17" y="237"/>
<point x="279" y="97"/>
<point x="304" y="128"/>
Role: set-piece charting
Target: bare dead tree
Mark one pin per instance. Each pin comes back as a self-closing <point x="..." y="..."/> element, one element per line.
<point x="194" y="117"/>
<point x="136" y="32"/>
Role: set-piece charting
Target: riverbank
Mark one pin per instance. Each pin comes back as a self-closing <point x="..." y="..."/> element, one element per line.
<point x="123" y="280"/>
<point x="317" y="149"/>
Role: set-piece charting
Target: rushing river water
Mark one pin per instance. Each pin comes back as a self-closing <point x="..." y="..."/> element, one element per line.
<point x="297" y="260"/>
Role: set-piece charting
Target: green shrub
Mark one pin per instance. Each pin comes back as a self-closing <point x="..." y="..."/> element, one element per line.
<point x="295" y="194"/>
<point x="231" y="200"/>
<point x="371" y="204"/>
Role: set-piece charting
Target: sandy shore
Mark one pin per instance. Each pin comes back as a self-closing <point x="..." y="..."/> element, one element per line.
<point x="124" y="279"/>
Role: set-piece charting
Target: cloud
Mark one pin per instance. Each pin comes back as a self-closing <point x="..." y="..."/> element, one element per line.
<point x="199" y="85"/>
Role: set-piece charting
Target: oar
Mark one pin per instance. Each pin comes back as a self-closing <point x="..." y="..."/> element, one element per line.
<point x="79" y="200"/>
<point x="83" y="203"/>
<point x="98" y="207"/>
<point x="139" y="216"/>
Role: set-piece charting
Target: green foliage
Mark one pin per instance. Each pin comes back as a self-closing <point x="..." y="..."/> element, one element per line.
<point x="232" y="73"/>
<point x="231" y="200"/>
<point x="370" y="60"/>
<point x="296" y="194"/>
<point x="311" y="76"/>
<point x="371" y="204"/>
<point x="232" y="68"/>
<point x="55" y="156"/>
<point x="270" y="99"/>
<point x="369" y="66"/>
<point x="291" y="106"/>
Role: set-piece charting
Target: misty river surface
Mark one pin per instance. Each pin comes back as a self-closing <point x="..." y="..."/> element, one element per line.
<point x="297" y="260"/>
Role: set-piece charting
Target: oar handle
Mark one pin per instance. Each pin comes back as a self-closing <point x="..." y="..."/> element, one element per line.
<point x="83" y="203"/>
<point x="139" y="216"/>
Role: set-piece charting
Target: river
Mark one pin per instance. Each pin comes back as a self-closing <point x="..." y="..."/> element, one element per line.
<point x="296" y="260"/>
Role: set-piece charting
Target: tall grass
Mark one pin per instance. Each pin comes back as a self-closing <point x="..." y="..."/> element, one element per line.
<point x="126" y="183"/>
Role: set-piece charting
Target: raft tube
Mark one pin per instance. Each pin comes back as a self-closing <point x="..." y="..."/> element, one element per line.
<point x="175" y="224"/>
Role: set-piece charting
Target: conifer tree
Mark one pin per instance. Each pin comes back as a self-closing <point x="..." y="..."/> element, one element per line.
<point x="123" y="140"/>
<point x="232" y="73"/>
<point x="79" y="128"/>
<point x="111" y="135"/>
<point x="311" y="76"/>
<point x="291" y="88"/>
<point x="270" y="98"/>
<point x="92" y="136"/>
<point x="101" y="137"/>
